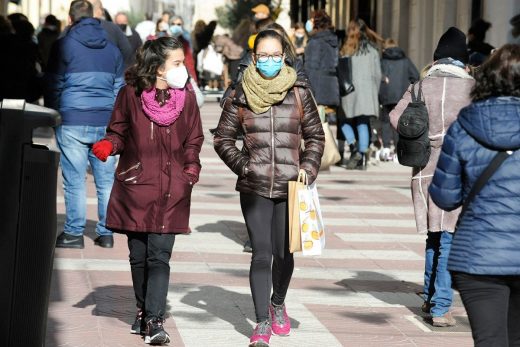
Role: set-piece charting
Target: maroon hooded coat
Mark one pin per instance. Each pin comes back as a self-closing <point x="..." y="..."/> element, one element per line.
<point x="152" y="191"/>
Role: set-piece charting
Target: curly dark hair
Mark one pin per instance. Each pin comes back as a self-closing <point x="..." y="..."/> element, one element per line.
<point x="499" y="75"/>
<point x="150" y="57"/>
<point x="322" y="21"/>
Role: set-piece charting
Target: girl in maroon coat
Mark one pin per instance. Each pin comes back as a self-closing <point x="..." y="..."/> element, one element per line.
<point x="156" y="128"/>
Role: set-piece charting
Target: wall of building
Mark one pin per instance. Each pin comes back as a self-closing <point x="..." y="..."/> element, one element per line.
<point x="505" y="10"/>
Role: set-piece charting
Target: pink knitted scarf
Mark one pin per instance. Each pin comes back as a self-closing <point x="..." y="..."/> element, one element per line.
<point x="169" y="112"/>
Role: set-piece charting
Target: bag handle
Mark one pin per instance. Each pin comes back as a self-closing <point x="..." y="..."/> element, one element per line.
<point x="419" y="96"/>
<point x="482" y="180"/>
<point x="302" y="177"/>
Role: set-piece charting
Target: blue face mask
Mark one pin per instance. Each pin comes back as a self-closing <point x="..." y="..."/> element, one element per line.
<point x="176" y="30"/>
<point x="269" y="68"/>
<point x="309" y="26"/>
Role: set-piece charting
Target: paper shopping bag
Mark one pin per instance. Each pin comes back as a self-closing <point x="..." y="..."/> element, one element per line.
<point x="295" y="243"/>
<point x="311" y="221"/>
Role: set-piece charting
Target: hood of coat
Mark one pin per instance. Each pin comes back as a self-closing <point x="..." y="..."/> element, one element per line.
<point x="327" y="36"/>
<point x="89" y="33"/>
<point x="494" y="122"/>
<point x="393" y="53"/>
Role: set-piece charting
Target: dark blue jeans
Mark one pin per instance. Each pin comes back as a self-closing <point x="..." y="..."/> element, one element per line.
<point x="437" y="278"/>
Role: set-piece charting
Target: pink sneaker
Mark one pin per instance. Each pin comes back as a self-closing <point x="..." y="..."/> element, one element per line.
<point x="280" y="320"/>
<point x="261" y="335"/>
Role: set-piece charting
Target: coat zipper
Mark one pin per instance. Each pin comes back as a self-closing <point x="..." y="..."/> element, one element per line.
<point x="272" y="154"/>
<point x="135" y="167"/>
<point x="151" y="130"/>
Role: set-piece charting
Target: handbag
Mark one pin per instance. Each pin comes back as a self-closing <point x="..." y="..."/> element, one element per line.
<point x="344" y="72"/>
<point x="330" y="152"/>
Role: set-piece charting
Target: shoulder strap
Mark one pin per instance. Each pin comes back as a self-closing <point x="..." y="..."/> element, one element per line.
<point x="419" y="96"/>
<point x="298" y="101"/>
<point x="482" y="180"/>
<point x="240" y="114"/>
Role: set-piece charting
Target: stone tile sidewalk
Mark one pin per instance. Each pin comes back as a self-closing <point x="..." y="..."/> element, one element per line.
<point x="360" y="292"/>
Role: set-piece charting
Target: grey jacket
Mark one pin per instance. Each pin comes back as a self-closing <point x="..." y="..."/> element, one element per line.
<point x="366" y="78"/>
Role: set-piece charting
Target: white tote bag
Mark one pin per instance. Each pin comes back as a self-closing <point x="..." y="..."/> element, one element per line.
<point x="311" y="221"/>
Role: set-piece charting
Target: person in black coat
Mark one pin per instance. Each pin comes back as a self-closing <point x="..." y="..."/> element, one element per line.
<point x="20" y="63"/>
<point x="321" y="60"/>
<point x="46" y="37"/>
<point x="398" y="73"/>
<point x="478" y="50"/>
<point x="121" y="19"/>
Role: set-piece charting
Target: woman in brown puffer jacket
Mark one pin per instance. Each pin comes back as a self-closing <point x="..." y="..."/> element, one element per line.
<point x="274" y="111"/>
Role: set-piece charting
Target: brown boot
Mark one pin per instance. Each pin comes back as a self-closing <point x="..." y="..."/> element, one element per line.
<point x="445" y="320"/>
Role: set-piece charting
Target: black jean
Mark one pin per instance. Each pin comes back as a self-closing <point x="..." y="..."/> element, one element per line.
<point x="493" y="307"/>
<point x="388" y="134"/>
<point x="267" y="226"/>
<point x="149" y="262"/>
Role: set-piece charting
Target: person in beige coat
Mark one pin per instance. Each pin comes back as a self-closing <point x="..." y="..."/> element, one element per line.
<point x="446" y="87"/>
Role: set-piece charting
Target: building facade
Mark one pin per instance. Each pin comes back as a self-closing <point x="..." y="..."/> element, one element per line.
<point x="416" y="24"/>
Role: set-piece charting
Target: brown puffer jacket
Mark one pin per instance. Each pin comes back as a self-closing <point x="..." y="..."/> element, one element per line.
<point x="271" y="150"/>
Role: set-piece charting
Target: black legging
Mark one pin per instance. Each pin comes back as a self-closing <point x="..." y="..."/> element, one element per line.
<point x="493" y="307"/>
<point x="267" y="226"/>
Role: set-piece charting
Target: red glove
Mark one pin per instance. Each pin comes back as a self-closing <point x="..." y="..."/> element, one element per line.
<point x="102" y="149"/>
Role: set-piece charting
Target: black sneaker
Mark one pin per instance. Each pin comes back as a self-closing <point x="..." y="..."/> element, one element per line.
<point x="155" y="334"/>
<point x="69" y="241"/>
<point x="105" y="241"/>
<point x="139" y="326"/>
<point x="247" y="247"/>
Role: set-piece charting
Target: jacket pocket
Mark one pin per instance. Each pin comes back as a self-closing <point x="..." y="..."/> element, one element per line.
<point x="130" y="174"/>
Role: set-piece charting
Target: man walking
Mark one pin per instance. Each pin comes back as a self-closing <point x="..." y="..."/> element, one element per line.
<point x="114" y="34"/>
<point x="121" y="19"/>
<point x="84" y="76"/>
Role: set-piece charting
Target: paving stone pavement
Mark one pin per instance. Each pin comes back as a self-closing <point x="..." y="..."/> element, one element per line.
<point x="360" y="292"/>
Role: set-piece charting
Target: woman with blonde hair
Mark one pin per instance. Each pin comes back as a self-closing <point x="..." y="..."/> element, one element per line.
<point x="362" y="104"/>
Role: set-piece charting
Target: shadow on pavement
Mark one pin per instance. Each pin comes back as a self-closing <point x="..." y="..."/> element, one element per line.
<point x="232" y="307"/>
<point x="235" y="231"/>
<point x="55" y="295"/>
<point x="374" y="318"/>
<point x="114" y="301"/>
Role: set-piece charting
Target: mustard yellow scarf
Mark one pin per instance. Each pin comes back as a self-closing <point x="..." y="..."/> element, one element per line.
<point x="261" y="93"/>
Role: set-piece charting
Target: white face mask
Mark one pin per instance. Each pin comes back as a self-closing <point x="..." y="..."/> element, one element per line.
<point x="176" y="77"/>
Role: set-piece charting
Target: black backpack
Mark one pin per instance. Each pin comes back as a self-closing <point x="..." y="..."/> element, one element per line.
<point x="413" y="145"/>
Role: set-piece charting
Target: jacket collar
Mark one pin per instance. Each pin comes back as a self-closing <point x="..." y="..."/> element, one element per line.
<point x="239" y="98"/>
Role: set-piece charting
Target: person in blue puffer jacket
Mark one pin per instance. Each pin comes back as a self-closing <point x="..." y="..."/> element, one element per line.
<point x="485" y="254"/>
<point x="83" y="78"/>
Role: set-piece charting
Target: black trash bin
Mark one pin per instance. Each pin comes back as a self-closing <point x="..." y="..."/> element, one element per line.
<point x="28" y="174"/>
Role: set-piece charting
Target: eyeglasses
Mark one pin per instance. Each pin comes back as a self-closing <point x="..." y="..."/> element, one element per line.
<point x="179" y="24"/>
<point x="264" y="57"/>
